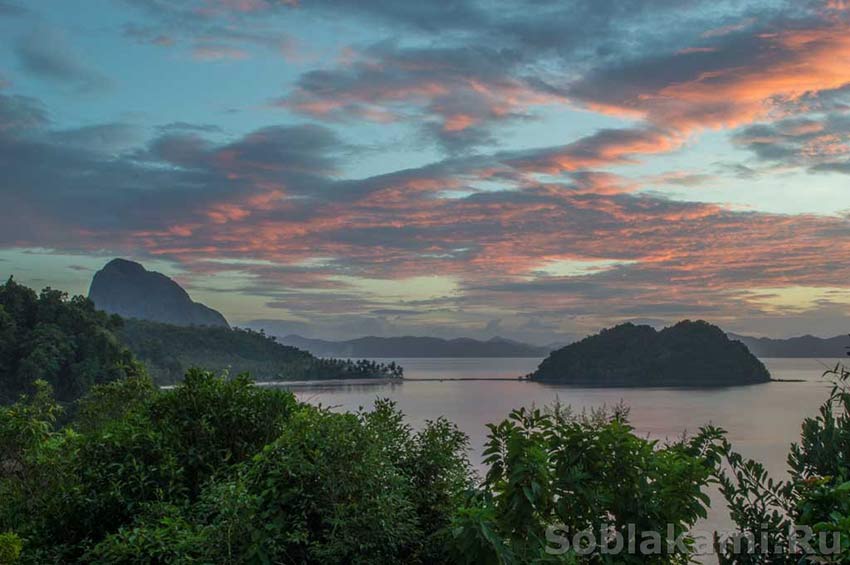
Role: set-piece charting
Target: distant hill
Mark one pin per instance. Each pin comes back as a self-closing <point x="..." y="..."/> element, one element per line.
<point x="803" y="346"/>
<point x="686" y="354"/>
<point x="409" y="346"/>
<point x="169" y="350"/>
<point x="128" y="289"/>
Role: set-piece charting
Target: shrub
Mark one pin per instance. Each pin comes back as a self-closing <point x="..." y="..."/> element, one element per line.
<point x="65" y="491"/>
<point x="582" y="474"/>
<point x="816" y="495"/>
<point x="346" y="488"/>
<point x="10" y="548"/>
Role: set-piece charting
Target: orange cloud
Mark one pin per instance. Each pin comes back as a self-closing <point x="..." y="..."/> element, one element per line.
<point x="783" y="67"/>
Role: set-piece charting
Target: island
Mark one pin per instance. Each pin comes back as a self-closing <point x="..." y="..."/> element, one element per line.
<point x="689" y="353"/>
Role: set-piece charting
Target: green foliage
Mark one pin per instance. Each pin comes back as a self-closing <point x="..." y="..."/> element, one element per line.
<point x="169" y="351"/>
<point x="760" y="507"/>
<point x="27" y="424"/>
<point x="327" y="493"/>
<point x="112" y="402"/>
<point x="62" y="341"/>
<point x="219" y="470"/>
<point x="816" y="495"/>
<point x="223" y="471"/>
<point x="332" y="488"/>
<point x="10" y="548"/>
<point x="581" y="473"/>
<point x="65" y="491"/>
<point x="166" y="537"/>
<point x="210" y="422"/>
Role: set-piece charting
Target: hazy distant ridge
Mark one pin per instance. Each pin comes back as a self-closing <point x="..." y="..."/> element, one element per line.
<point x="803" y="346"/>
<point x="411" y="346"/>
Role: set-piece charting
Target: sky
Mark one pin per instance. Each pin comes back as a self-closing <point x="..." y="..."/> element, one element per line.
<point x="534" y="169"/>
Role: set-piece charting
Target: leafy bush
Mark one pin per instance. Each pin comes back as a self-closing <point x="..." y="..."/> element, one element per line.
<point x="817" y="494"/>
<point x="223" y="471"/>
<point x="209" y="422"/>
<point x="10" y="548"/>
<point x="332" y="488"/>
<point x="65" y="490"/>
<point x="582" y="473"/>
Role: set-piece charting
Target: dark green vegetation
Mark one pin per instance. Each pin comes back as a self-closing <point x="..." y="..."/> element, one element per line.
<point x="69" y="344"/>
<point x="66" y="343"/>
<point x="686" y="354"/>
<point x="169" y="351"/>
<point x="817" y="493"/>
<point x="582" y="473"/>
<point x="128" y="289"/>
<point x="221" y="471"/>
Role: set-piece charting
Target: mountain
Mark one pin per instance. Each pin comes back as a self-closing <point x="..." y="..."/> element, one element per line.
<point x="128" y="289"/>
<point x="686" y="354"/>
<point x="168" y="351"/>
<point x="410" y="346"/>
<point x="803" y="346"/>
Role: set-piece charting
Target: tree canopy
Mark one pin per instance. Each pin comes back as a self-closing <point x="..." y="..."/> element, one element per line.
<point x="168" y="351"/>
<point x="63" y="341"/>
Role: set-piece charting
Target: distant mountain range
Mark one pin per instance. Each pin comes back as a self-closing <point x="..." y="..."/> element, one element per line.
<point x="803" y="346"/>
<point x="128" y="289"/>
<point x="410" y="346"/>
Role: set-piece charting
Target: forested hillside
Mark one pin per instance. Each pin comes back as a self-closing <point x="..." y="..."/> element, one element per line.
<point x="68" y="343"/>
<point x="169" y="351"/>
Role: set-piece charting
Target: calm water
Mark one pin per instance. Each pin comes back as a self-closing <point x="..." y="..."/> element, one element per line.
<point x="761" y="420"/>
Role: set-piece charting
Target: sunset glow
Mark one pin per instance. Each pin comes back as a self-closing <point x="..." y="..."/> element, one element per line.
<point x="525" y="169"/>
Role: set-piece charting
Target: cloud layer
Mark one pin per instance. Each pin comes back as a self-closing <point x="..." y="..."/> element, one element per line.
<point x="497" y="231"/>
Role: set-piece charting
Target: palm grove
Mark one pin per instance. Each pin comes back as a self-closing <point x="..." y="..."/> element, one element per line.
<point x="100" y="465"/>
